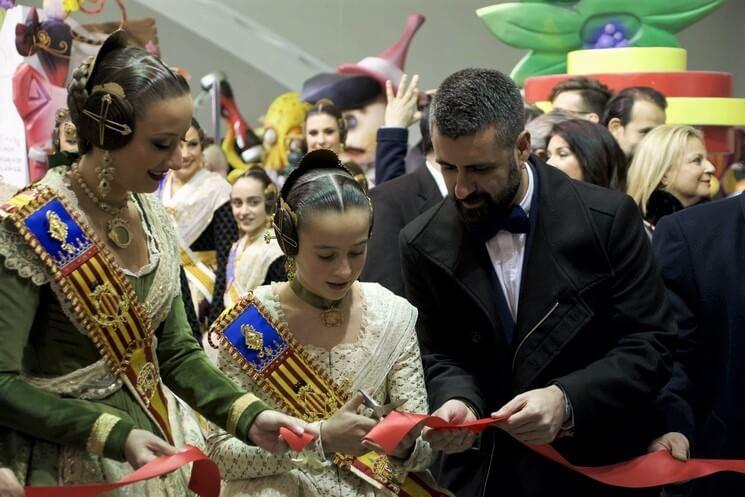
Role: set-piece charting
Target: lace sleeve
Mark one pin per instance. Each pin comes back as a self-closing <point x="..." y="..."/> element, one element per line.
<point x="239" y="461"/>
<point x="406" y="380"/>
<point x="19" y="257"/>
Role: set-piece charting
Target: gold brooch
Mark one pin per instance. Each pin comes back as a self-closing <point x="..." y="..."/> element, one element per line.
<point x="58" y="231"/>
<point x="110" y="307"/>
<point x="147" y="382"/>
<point x="254" y="339"/>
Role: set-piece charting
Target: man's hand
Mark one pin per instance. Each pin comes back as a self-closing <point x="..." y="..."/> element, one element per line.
<point x="141" y="447"/>
<point x="264" y="432"/>
<point x="537" y="415"/>
<point x="673" y="442"/>
<point x="451" y="441"/>
<point x="9" y="486"/>
<point x="401" y="110"/>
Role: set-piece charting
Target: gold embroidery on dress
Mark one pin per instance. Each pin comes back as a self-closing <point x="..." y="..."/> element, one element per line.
<point x="58" y="231"/>
<point x="237" y="410"/>
<point x="147" y="382"/>
<point x="111" y="308"/>
<point x="254" y="339"/>
<point x="100" y="433"/>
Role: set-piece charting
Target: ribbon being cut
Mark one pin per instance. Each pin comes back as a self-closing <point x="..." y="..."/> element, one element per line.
<point x="204" y="481"/>
<point x="649" y="470"/>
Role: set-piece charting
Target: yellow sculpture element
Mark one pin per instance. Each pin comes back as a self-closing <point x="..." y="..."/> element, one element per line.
<point x="632" y="59"/>
<point x="283" y="129"/>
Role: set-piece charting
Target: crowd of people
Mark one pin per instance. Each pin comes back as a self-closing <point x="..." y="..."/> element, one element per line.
<point x="566" y="273"/>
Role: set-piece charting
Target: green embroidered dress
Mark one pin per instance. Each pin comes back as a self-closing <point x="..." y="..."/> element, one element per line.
<point x="64" y="417"/>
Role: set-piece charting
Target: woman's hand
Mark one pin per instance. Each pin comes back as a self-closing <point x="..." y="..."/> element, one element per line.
<point x="142" y="447"/>
<point x="401" y="110"/>
<point x="264" y="432"/>
<point x="343" y="432"/>
<point x="9" y="486"/>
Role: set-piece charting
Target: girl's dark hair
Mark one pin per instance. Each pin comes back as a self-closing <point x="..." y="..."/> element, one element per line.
<point x="323" y="190"/>
<point x="270" y="194"/>
<point x="602" y="161"/>
<point x="200" y="132"/>
<point x="326" y="106"/>
<point x="142" y="77"/>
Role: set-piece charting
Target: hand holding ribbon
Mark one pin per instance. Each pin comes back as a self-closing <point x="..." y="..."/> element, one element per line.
<point x="204" y="481"/>
<point x="649" y="470"/>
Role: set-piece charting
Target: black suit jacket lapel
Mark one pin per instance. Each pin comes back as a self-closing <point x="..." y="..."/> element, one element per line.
<point x="463" y="259"/>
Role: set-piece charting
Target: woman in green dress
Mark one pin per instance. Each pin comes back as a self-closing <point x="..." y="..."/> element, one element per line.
<point x="91" y="316"/>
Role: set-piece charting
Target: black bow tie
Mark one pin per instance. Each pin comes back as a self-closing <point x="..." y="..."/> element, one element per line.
<point x="515" y="221"/>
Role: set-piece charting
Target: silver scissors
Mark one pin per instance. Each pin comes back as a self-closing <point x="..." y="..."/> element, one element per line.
<point x="380" y="410"/>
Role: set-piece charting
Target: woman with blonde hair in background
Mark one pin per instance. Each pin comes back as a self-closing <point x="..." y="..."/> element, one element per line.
<point x="669" y="172"/>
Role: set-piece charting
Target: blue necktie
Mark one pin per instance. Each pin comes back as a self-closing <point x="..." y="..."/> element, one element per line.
<point x="515" y="221"/>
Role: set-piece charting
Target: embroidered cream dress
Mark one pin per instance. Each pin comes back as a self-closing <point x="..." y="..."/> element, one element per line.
<point x="65" y="417"/>
<point x="200" y="204"/>
<point x="247" y="268"/>
<point x="384" y="360"/>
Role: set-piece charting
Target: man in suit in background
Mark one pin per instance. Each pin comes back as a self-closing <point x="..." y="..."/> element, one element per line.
<point x="397" y="202"/>
<point x="701" y="252"/>
<point x="538" y="297"/>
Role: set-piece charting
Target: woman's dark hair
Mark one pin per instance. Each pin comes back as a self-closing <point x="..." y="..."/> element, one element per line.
<point x="326" y="106"/>
<point x="200" y="132"/>
<point x="323" y="190"/>
<point x="140" y="77"/>
<point x="602" y="161"/>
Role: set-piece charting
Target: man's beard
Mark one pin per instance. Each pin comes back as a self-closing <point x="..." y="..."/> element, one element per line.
<point x="492" y="207"/>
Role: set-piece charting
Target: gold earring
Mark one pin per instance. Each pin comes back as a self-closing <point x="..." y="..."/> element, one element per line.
<point x="105" y="173"/>
<point x="290" y="268"/>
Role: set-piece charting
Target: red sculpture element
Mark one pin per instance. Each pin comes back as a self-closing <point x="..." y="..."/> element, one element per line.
<point x="389" y="64"/>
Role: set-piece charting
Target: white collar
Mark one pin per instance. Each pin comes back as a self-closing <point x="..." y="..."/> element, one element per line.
<point x="439" y="179"/>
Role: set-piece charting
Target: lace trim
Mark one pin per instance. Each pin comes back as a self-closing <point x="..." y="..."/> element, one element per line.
<point x="100" y="433"/>
<point x="166" y="284"/>
<point x="237" y="410"/>
<point x="19" y="257"/>
<point x="163" y="253"/>
<point x="270" y="299"/>
<point x="193" y="206"/>
<point x="93" y="382"/>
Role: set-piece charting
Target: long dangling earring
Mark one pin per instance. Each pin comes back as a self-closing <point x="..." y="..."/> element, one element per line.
<point x="290" y="268"/>
<point x="105" y="173"/>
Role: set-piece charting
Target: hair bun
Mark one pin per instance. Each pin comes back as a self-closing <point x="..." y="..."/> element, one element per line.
<point x="108" y="118"/>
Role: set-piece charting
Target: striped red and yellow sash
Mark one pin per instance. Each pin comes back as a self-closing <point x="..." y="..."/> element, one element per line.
<point x="269" y="354"/>
<point x="101" y="296"/>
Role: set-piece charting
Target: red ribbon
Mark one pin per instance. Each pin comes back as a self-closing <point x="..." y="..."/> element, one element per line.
<point x="650" y="470"/>
<point x="204" y="481"/>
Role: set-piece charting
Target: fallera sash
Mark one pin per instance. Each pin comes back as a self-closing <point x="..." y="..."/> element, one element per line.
<point x="102" y="298"/>
<point x="269" y="354"/>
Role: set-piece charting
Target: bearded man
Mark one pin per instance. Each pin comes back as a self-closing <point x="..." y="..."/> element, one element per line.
<point x="538" y="297"/>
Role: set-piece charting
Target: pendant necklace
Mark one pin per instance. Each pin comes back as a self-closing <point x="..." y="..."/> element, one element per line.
<point x="331" y="316"/>
<point x="118" y="226"/>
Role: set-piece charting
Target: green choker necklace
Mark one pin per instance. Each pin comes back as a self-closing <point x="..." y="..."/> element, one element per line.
<point x="331" y="316"/>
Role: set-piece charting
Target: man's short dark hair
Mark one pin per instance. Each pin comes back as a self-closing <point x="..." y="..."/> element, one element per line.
<point x="470" y="100"/>
<point x="620" y="106"/>
<point x="426" y="143"/>
<point x="594" y="94"/>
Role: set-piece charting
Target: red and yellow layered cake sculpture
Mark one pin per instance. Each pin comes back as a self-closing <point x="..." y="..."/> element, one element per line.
<point x="700" y="98"/>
